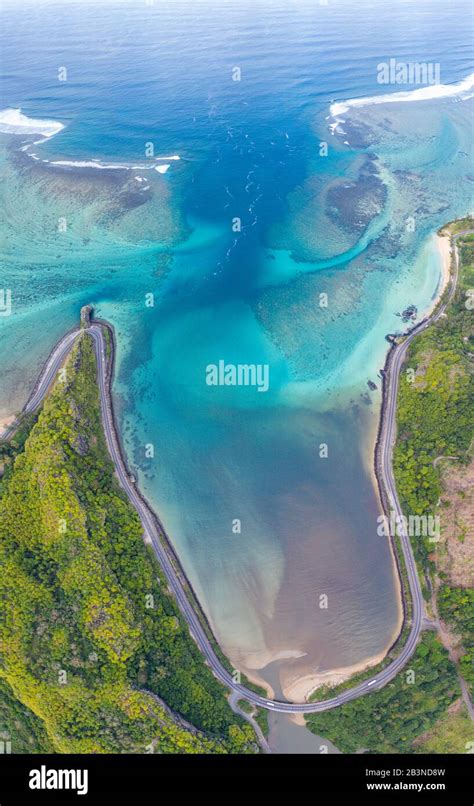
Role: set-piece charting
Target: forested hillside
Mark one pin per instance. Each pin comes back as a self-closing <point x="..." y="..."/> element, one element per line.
<point x="87" y="625"/>
<point x="389" y="720"/>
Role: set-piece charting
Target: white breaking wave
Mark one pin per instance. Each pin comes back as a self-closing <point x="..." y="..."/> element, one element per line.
<point x="462" y="88"/>
<point x="13" y="122"/>
<point x="111" y="166"/>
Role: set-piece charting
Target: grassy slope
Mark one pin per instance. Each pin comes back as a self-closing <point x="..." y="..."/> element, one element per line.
<point x="435" y="414"/>
<point x="435" y="417"/>
<point x="87" y="620"/>
<point x="452" y="734"/>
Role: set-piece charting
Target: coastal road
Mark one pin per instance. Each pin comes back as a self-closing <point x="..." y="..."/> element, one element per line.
<point x="155" y="534"/>
<point x="46" y="378"/>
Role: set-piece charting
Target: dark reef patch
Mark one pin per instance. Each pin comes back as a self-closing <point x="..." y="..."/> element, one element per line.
<point x="353" y="205"/>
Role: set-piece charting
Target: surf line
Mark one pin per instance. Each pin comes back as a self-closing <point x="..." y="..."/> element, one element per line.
<point x="13" y="121"/>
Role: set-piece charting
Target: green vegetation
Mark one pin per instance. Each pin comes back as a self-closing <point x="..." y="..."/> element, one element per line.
<point x="456" y="608"/>
<point x="326" y="692"/>
<point x="244" y="705"/>
<point x="11" y="448"/>
<point x="87" y="626"/>
<point x="388" y="721"/>
<point x="460" y="225"/>
<point x="435" y="412"/>
<point x="261" y="718"/>
<point x="20" y="726"/>
<point x="453" y="733"/>
<point x="435" y="417"/>
<point x="108" y="338"/>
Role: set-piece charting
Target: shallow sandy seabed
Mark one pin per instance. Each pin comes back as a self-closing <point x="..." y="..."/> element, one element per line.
<point x="5" y="421"/>
<point x="300" y="690"/>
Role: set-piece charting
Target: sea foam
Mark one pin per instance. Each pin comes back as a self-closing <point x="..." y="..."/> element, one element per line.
<point x="115" y="166"/>
<point x="463" y="89"/>
<point x="12" y="121"/>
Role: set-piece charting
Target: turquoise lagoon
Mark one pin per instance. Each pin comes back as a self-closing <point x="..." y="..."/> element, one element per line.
<point x="310" y="225"/>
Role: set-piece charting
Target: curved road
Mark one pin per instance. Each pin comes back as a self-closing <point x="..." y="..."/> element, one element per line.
<point x="154" y="531"/>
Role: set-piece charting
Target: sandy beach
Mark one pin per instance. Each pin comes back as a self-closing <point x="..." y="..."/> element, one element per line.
<point x="444" y="248"/>
<point x="5" y="421"/>
<point x="301" y="690"/>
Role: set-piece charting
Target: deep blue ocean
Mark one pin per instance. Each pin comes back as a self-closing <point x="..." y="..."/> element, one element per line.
<point x="136" y="81"/>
